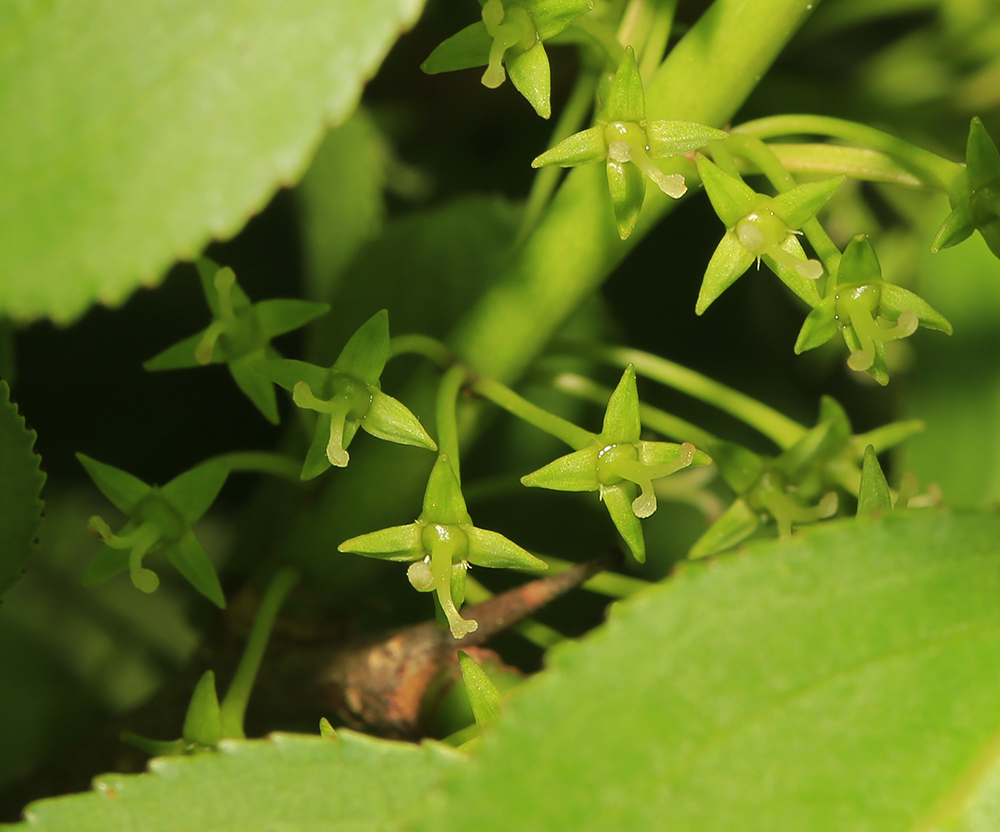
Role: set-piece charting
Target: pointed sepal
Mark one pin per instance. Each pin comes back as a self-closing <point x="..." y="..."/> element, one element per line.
<point x="492" y="549"/>
<point x="203" y="723"/>
<point x="484" y="696"/>
<point x="874" y="497"/>
<point x="443" y="500"/>
<point x="733" y="526"/>
<point x="397" y="543"/>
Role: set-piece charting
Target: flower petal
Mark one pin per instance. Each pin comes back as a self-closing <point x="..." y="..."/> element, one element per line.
<point x="819" y="327"/>
<point x="731" y="198"/>
<point x="190" y="559"/>
<point x="124" y="490"/>
<point x="729" y="262"/>
<point x="628" y="191"/>
<point x="365" y="353"/>
<point x="621" y="418"/>
<point x="580" y="148"/>
<point x="392" y="421"/>
<point x="192" y="492"/>
<point x="618" y="500"/>
<point x="574" y="472"/>
<point x="672" y="138"/>
<point x="957" y="227"/>
<point x="443" y="500"/>
<point x="254" y="386"/>
<point x="895" y="300"/>
<point x="463" y="50"/>
<point x="800" y="204"/>
<point x="492" y="549"/>
<point x="397" y="543"/>
<point x="529" y="73"/>
<point x="859" y="263"/>
<point x="626" y="101"/>
<point x="736" y="523"/>
<point x="281" y="315"/>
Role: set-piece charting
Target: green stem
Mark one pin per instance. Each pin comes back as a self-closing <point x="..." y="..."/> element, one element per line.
<point x="662" y="422"/>
<point x="840" y="160"/>
<point x="503" y="396"/>
<point x="658" y="33"/>
<point x="783" y="431"/>
<point x="447" y="420"/>
<point x="754" y="150"/>
<point x="940" y="172"/>
<point x="580" y="102"/>
<point x="263" y="462"/>
<point x="610" y="584"/>
<point x="234" y="705"/>
<point x="422" y="345"/>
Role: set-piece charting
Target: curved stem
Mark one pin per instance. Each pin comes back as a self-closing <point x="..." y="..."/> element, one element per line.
<point x="783" y="431"/>
<point x="422" y="345"/>
<point x="941" y="171"/>
<point x="837" y="159"/>
<point x="234" y="705"/>
<point x="263" y="462"/>
<point x="611" y="584"/>
<point x="503" y="396"/>
<point x="658" y="33"/>
<point x="447" y="420"/>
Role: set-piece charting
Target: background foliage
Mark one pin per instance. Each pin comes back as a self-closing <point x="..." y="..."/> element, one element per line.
<point x="841" y="678"/>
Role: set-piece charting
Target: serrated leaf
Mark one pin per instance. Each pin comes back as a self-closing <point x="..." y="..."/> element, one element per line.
<point x="841" y="679"/>
<point x="288" y="781"/>
<point x="169" y="124"/>
<point x="21" y="481"/>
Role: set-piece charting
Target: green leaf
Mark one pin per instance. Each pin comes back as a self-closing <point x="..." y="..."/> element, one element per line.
<point x="21" y="484"/>
<point x="213" y="108"/>
<point x="288" y="781"/>
<point x="841" y="679"/>
<point x="873" y="493"/>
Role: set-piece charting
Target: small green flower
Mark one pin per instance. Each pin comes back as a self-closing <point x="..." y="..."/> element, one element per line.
<point x="160" y="521"/>
<point x="617" y="462"/>
<point x="759" y="228"/>
<point x="240" y="334"/>
<point x="441" y="544"/>
<point x="510" y="34"/>
<point x="629" y="142"/>
<point x="348" y="396"/>
<point x="975" y="200"/>
<point x="868" y="311"/>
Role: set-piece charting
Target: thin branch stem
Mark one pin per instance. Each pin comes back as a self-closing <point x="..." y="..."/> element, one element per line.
<point x="939" y="172"/>
<point x="783" y="431"/>
<point x="658" y="34"/>
<point x="234" y="705"/>
<point x="447" y="420"/>
<point x="263" y="462"/>
<point x="424" y="346"/>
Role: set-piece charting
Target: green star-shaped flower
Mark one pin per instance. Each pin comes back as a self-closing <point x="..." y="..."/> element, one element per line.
<point x="759" y="228"/>
<point x="629" y="142"/>
<point x="868" y="311"/>
<point x="348" y="396"/>
<point x="441" y="544"/>
<point x="617" y="462"/>
<point x="975" y="199"/>
<point x="160" y="521"/>
<point x="240" y="334"/>
<point x="510" y="34"/>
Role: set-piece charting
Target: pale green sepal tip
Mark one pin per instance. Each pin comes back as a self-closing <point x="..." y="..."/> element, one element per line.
<point x="874" y="496"/>
<point x="396" y="543"/>
<point x="287" y="372"/>
<point x="573" y="472"/>
<point x="194" y="491"/>
<point x="628" y="191"/>
<point x="121" y="488"/>
<point x="280" y="315"/>
<point x="492" y="549"/>
<point x="673" y="138"/>
<point x="154" y="748"/>
<point x="254" y="386"/>
<point x="580" y="148"/>
<point x="859" y="263"/>
<point x="818" y="328"/>
<point x="554" y="16"/>
<point x="203" y="723"/>
<point x="729" y="262"/>
<point x="464" y="50"/>
<point x="896" y="300"/>
<point x="317" y="461"/>
<point x="735" y="524"/>
<point x="981" y="156"/>
<point x="957" y="228"/>
<point x="179" y="356"/>
<point x="366" y="351"/>
<point x="618" y="500"/>
<point x="529" y="73"/>
<point x="731" y="198"/>
<point x="190" y="559"/>
<point x="797" y="206"/>
<point x="626" y="101"/>
<point x="443" y="500"/>
<point x="391" y="420"/>
<point x="740" y="468"/>
<point x="484" y="696"/>
<point x="326" y="730"/>
<point x="621" y="419"/>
